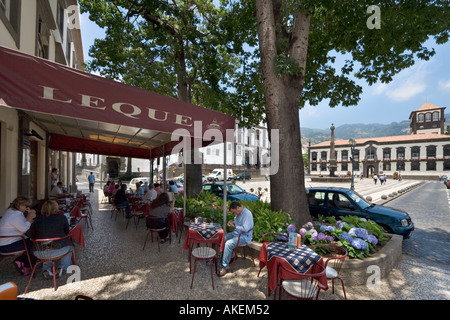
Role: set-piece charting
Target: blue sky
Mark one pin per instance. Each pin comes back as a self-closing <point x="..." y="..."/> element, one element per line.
<point x="426" y="81"/>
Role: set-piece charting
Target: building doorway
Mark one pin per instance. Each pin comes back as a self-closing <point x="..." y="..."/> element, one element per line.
<point x="370" y="171"/>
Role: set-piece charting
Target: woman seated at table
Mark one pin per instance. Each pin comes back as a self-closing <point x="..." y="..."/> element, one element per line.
<point x="121" y="200"/>
<point x="160" y="207"/>
<point x="15" y="222"/>
<point x="52" y="224"/>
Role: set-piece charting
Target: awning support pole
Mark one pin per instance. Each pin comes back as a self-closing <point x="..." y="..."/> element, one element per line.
<point x="225" y="187"/>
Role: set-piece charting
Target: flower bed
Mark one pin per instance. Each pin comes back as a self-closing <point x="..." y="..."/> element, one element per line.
<point x="360" y="237"/>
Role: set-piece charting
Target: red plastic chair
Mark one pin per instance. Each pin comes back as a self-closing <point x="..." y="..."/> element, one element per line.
<point x="243" y="249"/>
<point x="152" y="230"/>
<point x="334" y="259"/>
<point x="47" y="250"/>
<point x="297" y="285"/>
<point x="17" y="253"/>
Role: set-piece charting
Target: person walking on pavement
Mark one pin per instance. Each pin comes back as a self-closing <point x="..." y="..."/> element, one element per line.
<point x="375" y="178"/>
<point x="91" y="179"/>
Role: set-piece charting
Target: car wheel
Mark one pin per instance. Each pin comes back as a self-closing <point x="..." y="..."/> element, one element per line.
<point x="387" y="229"/>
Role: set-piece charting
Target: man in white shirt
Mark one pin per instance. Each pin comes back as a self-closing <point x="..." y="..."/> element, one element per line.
<point x="57" y="192"/>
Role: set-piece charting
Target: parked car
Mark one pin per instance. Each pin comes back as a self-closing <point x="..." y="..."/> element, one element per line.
<point x="133" y="182"/>
<point x="179" y="185"/>
<point x="234" y="192"/>
<point x="339" y="202"/>
<point x="218" y="175"/>
<point x="242" y="175"/>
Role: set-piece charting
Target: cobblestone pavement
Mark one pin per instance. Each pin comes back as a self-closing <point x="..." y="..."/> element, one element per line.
<point x="114" y="266"/>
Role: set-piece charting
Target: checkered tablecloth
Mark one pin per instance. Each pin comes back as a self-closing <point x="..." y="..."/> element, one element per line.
<point x="207" y="231"/>
<point x="300" y="259"/>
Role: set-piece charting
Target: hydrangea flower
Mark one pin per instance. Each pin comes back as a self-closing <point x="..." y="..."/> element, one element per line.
<point x="323" y="228"/>
<point x="321" y="236"/>
<point x="372" y="239"/>
<point x="302" y="232"/>
<point x="313" y="235"/>
<point x="330" y="229"/>
<point x="358" y="243"/>
<point x="359" y="233"/>
<point x="330" y="238"/>
<point x="291" y="228"/>
<point x="309" y="225"/>
<point x="346" y="237"/>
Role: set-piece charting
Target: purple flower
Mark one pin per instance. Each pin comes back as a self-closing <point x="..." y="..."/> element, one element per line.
<point x="330" y="229"/>
<point x="309" y="225"/>
<point x="358" y="243"/>
<point x="330" y="238"/>
<point x="291" y="228"/>
<point x="302" y="232"/>
<point x="372" y="239"/>
<point x="321" y="236"/>
<point x="359" y="233"/>
<point x="346" y="237"/>
<point x="323" y="228"/>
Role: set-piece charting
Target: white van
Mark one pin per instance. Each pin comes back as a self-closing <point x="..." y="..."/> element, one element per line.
<point x="217" y="175"/>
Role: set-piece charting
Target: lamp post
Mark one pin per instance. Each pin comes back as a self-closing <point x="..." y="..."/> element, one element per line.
<point x="352" y="159"/>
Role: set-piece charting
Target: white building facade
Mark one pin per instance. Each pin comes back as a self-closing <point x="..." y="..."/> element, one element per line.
<point x="424" y="154"/>
<point x="39" y="28"/>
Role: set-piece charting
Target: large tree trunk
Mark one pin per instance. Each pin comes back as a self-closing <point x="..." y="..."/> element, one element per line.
<point x="193" y="178"/>
<point x="282" y="94"/>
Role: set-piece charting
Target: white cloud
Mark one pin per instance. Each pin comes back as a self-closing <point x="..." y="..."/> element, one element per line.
<point x="408" y="84"/>
<point x="445" y="85"/>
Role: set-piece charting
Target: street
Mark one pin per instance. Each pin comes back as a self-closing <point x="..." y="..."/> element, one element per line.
<point x="428" y="207"/>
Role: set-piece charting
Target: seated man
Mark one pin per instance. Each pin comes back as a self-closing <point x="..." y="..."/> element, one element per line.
<point x="57" y="192"/>
<point x="243" y="222"/>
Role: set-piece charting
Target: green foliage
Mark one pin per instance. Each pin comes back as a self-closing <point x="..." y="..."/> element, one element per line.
<point x="127" y="177"/>
<point x="208" y="205"/>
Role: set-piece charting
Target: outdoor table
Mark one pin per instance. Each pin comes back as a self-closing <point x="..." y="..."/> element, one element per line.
<point x="175" y="217"/>
<point x="301" y="260"/>
<point x="202" y="232"/>
<point x="141" y="207"/>
<point x="76" y="231"/>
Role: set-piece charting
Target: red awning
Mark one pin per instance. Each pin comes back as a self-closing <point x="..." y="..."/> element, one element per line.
<point x="73" y="103"/>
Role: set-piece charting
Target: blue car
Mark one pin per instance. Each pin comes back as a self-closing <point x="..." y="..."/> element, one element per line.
<point x="234" y="192"/>
<point x="339" y="202"/>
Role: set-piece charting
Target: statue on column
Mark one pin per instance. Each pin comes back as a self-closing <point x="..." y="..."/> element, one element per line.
<point x="332" y="167"/>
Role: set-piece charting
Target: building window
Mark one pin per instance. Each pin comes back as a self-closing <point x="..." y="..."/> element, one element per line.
<point x="431" y="152"/>
<point x="356" y="167"/>
<point x="431" y="165"/>
<point x="323" y="156"/>
<point x="387" y="154"/>
<point x="386" y="166"/>
<point x="401" y="153"/>
<point x="314" y="167"/>
<point x="344" y="167"/>
<point x="415" y="153"/>
<point x="371" y="155"/>
<point x="313" y="156"/>
<point x="356" y="155"/>
<point x="323" y="167"/>
<point x="415" y="166"/>
<point x="436" y="116"/>
<point x="446" y="165"/>
<point x="344" y="156"/>
<point x="421" y="117"/>
<point x="10" y="16"/>
<point x="427" y="117"/>
<point x="447" y="151"/>
<point x="400" y="166"/>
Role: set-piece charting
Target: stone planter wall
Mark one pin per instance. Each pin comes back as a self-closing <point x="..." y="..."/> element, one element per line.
<point x="358" y="272"/>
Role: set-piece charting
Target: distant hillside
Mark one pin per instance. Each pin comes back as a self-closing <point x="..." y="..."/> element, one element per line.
<point x="357" y="131"/>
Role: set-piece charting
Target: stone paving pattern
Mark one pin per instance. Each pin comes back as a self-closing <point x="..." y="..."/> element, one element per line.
<point x="114" y="266"/>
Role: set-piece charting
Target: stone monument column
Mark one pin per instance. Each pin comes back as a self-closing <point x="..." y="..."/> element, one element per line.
<point x="332" y="167"/>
